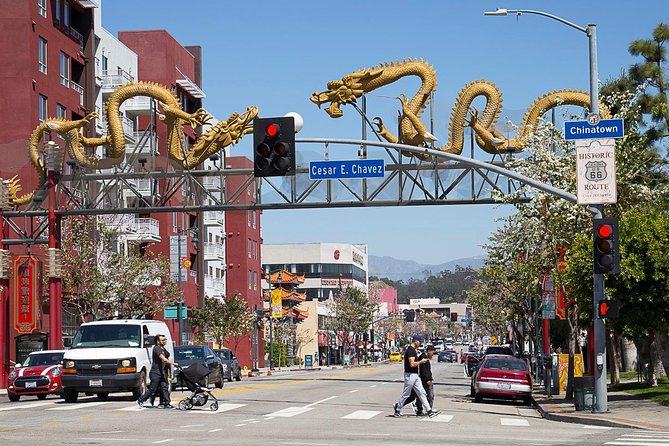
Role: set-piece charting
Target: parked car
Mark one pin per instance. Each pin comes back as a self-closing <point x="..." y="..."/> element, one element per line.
<point x="186" y="355"/>
<point x="39" y="375"/>
<point x="111" y="356"/>
<point x="395" y="356"/>
<point x="231" y="367"/>
<point x="502" y="376"/>
<point x="499" y="350"/>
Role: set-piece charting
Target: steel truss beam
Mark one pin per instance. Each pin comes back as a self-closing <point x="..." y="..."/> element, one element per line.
<point x="444" y="179"/>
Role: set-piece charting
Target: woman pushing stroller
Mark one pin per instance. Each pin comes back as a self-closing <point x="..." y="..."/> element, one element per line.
<point x="159" y="373"/>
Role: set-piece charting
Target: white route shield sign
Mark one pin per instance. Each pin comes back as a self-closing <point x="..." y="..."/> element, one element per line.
<point x="596" y="171"/>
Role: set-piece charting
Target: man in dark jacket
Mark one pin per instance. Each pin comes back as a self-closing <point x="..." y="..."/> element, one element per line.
<point x="425" y="374"/>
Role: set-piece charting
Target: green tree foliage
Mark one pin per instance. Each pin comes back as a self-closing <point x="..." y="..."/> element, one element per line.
<point x="219" y="319"/>
<point x="448" y="286"/>
<point x="102" y="280"/>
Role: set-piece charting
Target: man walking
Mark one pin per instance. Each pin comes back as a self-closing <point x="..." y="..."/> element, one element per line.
<point x="158" y="374"/>
<point x="411" y="379"/>
<point x="425" y="375"/>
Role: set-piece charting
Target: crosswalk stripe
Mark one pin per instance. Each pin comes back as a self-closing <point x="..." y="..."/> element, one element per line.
<point x="27" y="406"/>
<point x="222" y="407"/>
<point x="514" y="422"/>
<point x="289" y="412"/>
<point x="134" y="408"/>
<point x="64" y="406"/>
<point x="441" y="418"/>
<point x="361" y="415"/>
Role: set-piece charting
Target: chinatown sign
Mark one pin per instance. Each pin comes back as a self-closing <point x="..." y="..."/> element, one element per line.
<point x="25" y="294"/>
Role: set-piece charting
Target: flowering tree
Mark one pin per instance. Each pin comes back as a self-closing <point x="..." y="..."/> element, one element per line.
<point x="101" y="280"/>
<point x="220" y="319"/>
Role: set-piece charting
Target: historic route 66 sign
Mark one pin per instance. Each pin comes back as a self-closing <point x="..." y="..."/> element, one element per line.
<point x="596" y="171"/>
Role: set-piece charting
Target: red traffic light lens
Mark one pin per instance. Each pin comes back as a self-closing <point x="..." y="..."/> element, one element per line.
<point x="603" y="309"/>
<point x="604" y="231"/>
<point x="272" y="130"/>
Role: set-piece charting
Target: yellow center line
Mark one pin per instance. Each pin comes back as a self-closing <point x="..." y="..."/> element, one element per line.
<point x="7" y="429"/>
<point x="53" y="422"/>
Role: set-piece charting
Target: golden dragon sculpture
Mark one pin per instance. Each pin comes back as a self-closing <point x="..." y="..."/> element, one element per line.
<point x="413" y="132"/>
<point x="221" y="135"/>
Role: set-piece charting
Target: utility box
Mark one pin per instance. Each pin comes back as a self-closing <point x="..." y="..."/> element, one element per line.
<point x="584" y="392"/>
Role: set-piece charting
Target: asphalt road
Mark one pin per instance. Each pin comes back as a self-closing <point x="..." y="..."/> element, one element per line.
<point x="320" y="408"/>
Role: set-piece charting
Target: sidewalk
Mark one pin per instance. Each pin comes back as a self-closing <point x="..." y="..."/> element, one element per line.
<point x="624" y="410"/>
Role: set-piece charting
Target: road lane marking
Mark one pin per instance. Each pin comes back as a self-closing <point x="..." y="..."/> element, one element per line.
<point x="353" y="391"/>
<point x="441" y="418"/>
<point x="587" y="426"/>
<point x="214" y="430"/>
<point x="107" y="439"/>
<point x="192" y="425"/>
<point x="514" y="422"/>
<point x="167" y="440"/>
<point x="80" y="406"/>
<point x="134" y="408"/>
<point x="372" y="386"/>
<point x="361" y="415"/>
<point x="239" y="425"/>
<point x="222" y="407"/>
<point x="309" y="444"/>
<point x="321" y="401"/>
<point x="107" y="432"/>
<point x="27" y="406"/>
<point x="290" y="412"/>
<point x="635" y="443"/>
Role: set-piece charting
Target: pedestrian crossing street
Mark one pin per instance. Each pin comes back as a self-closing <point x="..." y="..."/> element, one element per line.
<point x="223" y="407"/>
<point x="642" y="438"/>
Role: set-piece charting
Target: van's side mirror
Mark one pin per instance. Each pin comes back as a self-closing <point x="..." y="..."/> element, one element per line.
<point x="67" y="342"/>
<point x="149" y="341"/>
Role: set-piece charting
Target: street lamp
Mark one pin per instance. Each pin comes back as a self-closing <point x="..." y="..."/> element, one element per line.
<point x="597" y="279"/>
<point x="180" y="319"/>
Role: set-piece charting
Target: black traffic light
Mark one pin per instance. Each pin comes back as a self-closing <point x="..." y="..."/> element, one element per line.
<point x="608" y="308"/>
<point x="274" y="147"/>
<point x="606" y="246"/>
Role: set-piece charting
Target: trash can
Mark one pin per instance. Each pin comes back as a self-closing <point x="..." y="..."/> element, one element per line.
<point x="584" y="392"/>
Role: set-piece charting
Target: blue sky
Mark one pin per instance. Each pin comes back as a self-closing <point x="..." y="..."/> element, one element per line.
<point x="275" y="54"/>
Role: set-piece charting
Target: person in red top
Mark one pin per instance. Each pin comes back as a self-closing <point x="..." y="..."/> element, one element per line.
<point x="412" y="380"/>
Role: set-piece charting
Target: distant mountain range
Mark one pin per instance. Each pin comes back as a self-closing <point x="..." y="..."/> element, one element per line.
<point x="404" y="270"/>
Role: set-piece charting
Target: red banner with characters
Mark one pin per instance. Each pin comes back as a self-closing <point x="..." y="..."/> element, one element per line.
<point x="25" y="294"/>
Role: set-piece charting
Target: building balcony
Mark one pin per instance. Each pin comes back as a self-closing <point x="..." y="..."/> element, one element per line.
<point x="213" y="218"/>
<point x="214" y="251"/>
<point x="79" y="89"/>
<point x="143" y="186"/>
<point x="139" y="105"/>
<point x="144" y="143"/>
<point x="78" y="37"/>
<point x="144" y="230"/>
<point x="111" y="79"/>
<point x="212" y="183"/>
<point x="214" y="286"/>
<point x="140" y="229"/>
<point x="127" y="123"/>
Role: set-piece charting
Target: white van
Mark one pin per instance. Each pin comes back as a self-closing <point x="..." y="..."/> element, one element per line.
<point x="111" y="356"/>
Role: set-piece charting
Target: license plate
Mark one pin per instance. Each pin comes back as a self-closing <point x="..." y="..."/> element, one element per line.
<point x="31" y="384"/>
<point x="504" y="386"/>
<point x="95" y="382"/>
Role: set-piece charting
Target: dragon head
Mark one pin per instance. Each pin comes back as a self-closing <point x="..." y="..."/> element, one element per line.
<point x="345" y="91"/>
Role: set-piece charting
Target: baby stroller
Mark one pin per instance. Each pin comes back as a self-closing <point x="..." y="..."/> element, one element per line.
<point x="190" y="376"/>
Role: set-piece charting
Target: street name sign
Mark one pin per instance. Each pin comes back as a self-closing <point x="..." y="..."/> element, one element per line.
<point x="172" y="312"/>
<point x="326" y="170"/>
<point x="606" y="128"/>
<point x="596" y="171"/>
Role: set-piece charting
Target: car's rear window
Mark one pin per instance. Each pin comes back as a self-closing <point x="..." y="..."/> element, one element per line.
<point x="505" y="364"/>
<point x="189" y="353"/>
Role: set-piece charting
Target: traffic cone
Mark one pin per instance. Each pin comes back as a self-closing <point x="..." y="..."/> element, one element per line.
<point x="269" y="372"/>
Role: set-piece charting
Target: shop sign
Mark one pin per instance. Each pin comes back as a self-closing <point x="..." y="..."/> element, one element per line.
<point x="25" y="294"/>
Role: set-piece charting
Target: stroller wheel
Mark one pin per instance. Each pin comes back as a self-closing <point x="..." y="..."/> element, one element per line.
<point x="185" y="405"/>
<point x="213" y="406"/>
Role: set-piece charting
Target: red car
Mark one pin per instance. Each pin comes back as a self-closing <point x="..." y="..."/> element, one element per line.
<point x="39" y="375"/>
<point x="502" y="376"/>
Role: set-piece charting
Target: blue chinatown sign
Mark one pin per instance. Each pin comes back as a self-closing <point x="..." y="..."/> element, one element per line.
<point x="606" y="128"/>
<point x="326" y="170"/>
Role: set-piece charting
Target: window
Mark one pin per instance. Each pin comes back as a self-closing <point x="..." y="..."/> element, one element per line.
<point x="248" y="218"/>
<point x="41" y="7"/>
<point x="41" y="55"/>
<point x="105" y="64"/>
<point x="64" y="69"/>
<point x="66" y="15"/>
<point x="42" y="108"/>
<point x="250" y="279"/>
<point x="248" y="248"/>
<point x="59" y="16"/>
<point x="254" y="219"/>
<point x="255" y="280"/>
<point x="61" y="111"/>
